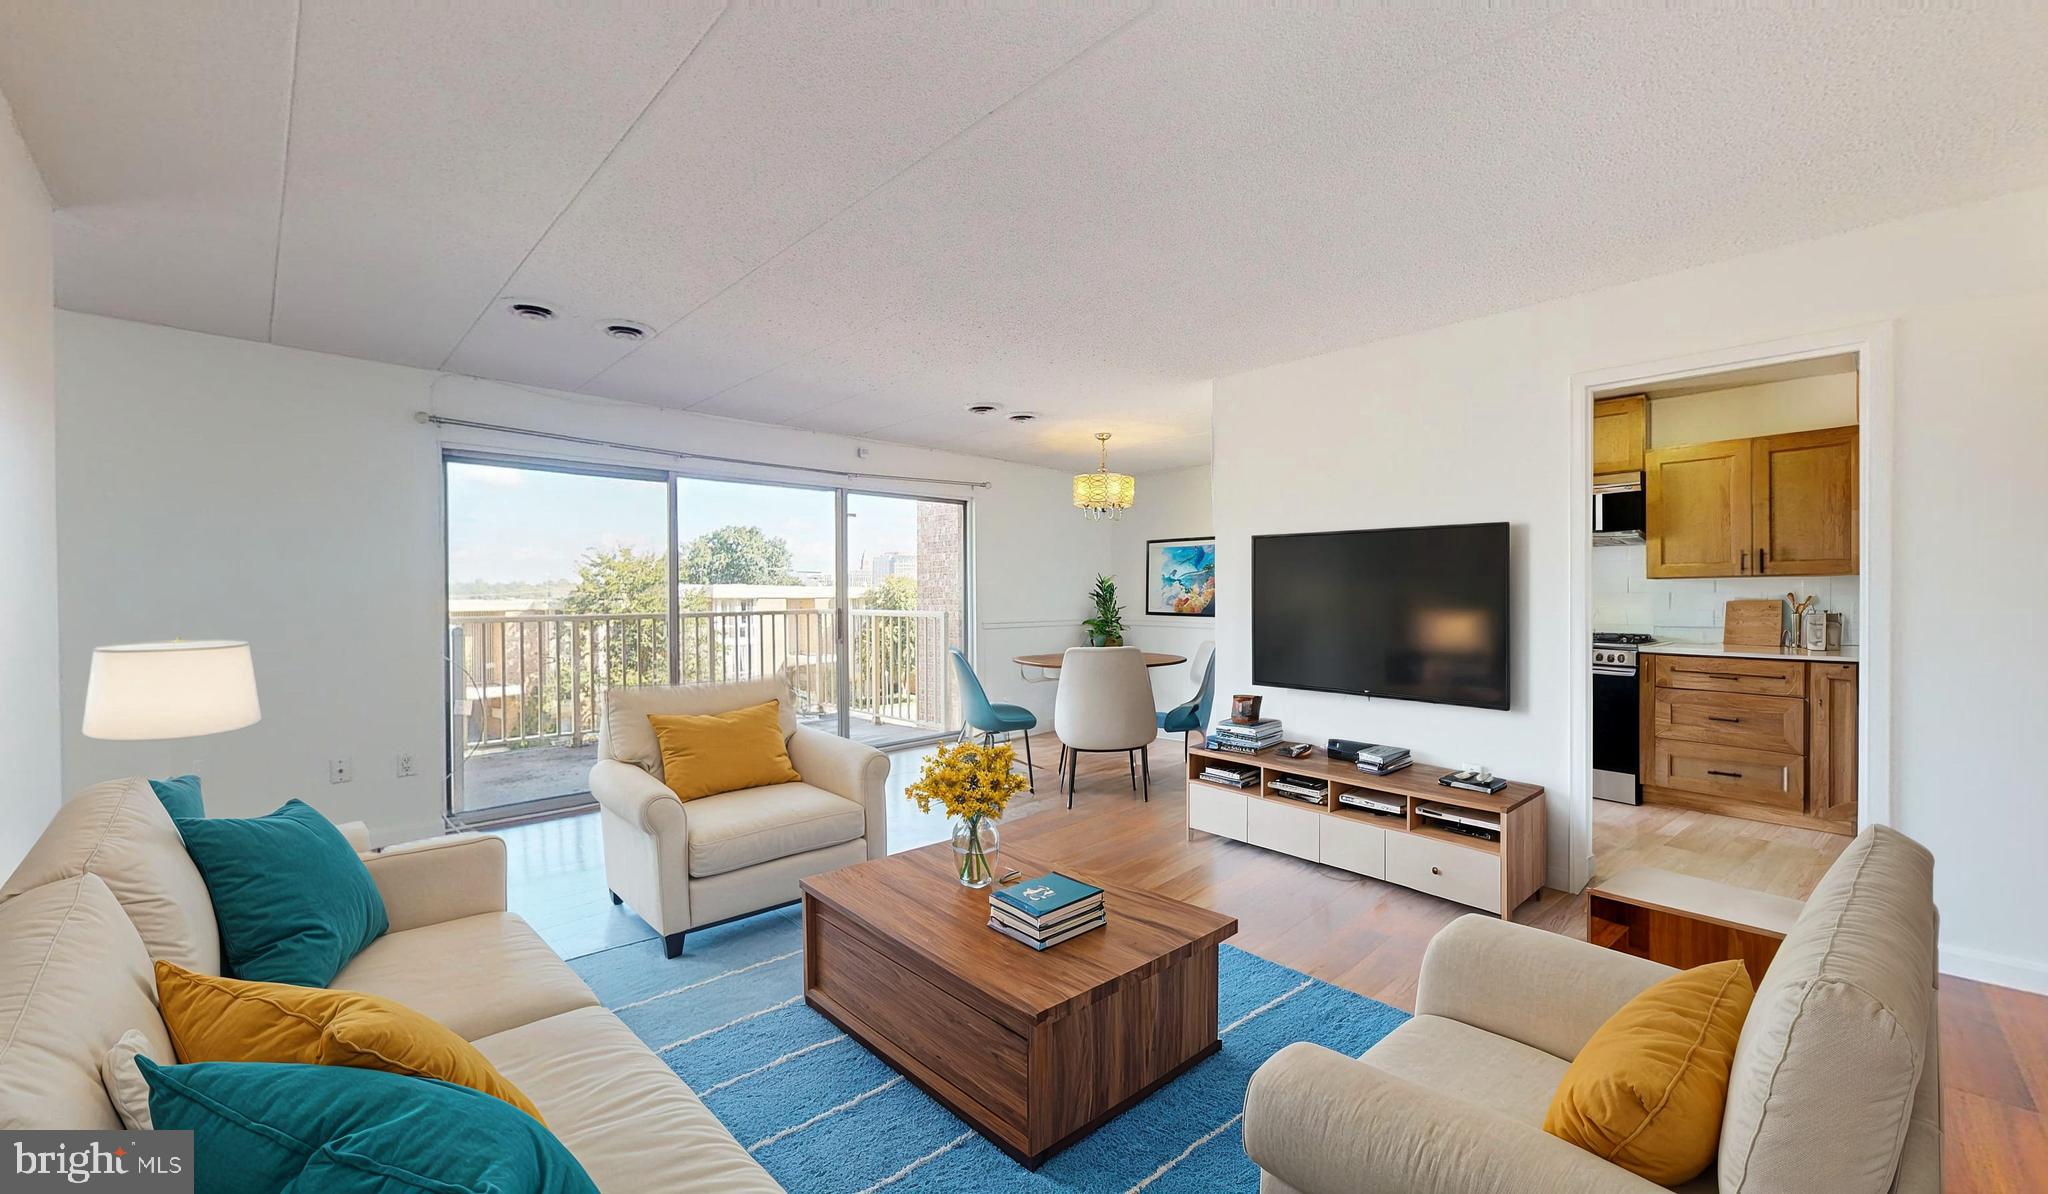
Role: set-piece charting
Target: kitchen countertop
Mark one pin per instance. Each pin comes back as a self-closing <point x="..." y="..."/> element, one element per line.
<point x="1843" y="654"/>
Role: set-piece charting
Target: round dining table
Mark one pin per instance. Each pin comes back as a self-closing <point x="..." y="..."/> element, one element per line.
<point x="1051" y="662"/>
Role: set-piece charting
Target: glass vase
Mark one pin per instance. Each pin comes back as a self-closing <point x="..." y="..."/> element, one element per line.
<point x="975" y="848"/>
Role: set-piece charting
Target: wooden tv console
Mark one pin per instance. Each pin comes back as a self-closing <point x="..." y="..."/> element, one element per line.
<point x="1493" y="876"/>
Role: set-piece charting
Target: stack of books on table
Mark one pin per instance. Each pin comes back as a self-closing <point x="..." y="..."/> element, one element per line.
<point x="1045" y="911"/>
<point x="1375" y="759"/>
<point x="1229" y="774"/>
<point x="1247" y="738"/>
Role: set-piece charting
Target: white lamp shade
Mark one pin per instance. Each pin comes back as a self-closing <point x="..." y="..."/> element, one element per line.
<point x="170" y="690"/>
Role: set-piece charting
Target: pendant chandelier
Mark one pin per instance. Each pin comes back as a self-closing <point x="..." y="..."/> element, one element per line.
<point x="1103" y="494"/>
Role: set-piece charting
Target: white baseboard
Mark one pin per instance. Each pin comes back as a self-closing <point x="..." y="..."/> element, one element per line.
<point x="2002" y="970"/>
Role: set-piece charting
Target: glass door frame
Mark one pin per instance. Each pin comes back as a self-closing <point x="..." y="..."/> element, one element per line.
<point x="841" y="601"/>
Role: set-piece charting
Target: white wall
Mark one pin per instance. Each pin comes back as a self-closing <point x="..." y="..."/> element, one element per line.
<point x="1474" y="421"/>
<point x="1693" y="609"/>
<point x="1171" y="505"/>
<point x="28" y="491"/>
<point x="215" y="487"/>
<point x="1742" y="412"/>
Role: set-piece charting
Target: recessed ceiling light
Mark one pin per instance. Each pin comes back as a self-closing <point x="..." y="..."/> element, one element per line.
<point x="983" y="408"/>
<point x="1023" y="416"/>
<point x="620" y="329"/>
<point x="533" y="311"/>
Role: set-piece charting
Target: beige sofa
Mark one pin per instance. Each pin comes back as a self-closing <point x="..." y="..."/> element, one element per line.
<point x="1836" y="1083"/>
<point x="109" y="886"/>
<point x="683" y="866"/>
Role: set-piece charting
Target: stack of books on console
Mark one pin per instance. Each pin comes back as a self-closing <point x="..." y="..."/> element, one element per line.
<point x="1248" y="738"/>
<point x="1300" y="787"/>
<point x="1045" y="911"/>
<point x="1375" y="759"/>
<point x="1233" y="776"/>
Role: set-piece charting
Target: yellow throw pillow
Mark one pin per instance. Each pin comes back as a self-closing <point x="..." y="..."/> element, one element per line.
<point x="1647" y="1091"/>
<point x="228" y="1019"/>
<point x="705" y="754"/>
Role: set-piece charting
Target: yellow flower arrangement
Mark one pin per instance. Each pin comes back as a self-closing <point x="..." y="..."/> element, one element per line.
<point x="973" y="783"/>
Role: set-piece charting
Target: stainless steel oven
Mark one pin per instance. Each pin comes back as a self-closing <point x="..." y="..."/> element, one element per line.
<point x="1617" y="724"/>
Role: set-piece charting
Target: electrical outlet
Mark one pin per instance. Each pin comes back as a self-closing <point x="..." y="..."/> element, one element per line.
<point x="340" y="771"/>
<point x="405" y="766"/>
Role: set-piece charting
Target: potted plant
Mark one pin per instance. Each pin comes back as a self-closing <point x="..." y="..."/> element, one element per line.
<point x="1106" y="628"/>
<point x="973" y="782"/>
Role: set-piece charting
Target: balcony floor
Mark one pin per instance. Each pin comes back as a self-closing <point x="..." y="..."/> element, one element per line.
<point x="505" y="777"/>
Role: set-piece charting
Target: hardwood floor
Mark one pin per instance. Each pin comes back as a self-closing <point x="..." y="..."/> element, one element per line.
<point x="1369" y="936"/>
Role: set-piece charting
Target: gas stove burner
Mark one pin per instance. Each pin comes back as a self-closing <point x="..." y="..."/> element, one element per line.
<point x="1609" y="637"/>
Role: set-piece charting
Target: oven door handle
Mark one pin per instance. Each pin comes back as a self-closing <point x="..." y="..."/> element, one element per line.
<point x="1614" y="671"/>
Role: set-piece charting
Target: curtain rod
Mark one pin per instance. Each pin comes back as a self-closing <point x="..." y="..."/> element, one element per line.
<point x="444" y="421"/>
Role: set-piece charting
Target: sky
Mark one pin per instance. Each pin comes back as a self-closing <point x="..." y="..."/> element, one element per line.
<point x="529" y="525"/>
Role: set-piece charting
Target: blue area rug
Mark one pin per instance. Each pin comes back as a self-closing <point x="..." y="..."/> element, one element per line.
<point x="825" y="1115"/>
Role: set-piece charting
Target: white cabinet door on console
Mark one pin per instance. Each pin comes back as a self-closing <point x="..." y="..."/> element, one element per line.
<point x="1288" y="830"/>
<point x="1213" y="810"/>
<point x="1358" y="848"/>
<point x="1455" y="873"/>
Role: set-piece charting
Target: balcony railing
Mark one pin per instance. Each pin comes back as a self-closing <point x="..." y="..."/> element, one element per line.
<point x="522" y="680"/>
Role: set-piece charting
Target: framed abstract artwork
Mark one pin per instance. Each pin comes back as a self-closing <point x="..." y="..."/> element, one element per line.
<point x="1180" y="577"/>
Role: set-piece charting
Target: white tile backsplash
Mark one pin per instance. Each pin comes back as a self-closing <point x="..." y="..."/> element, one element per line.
<point x="1691" y="611"/>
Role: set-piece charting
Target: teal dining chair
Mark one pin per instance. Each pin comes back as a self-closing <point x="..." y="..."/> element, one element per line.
<point x="989" y="718"/>
<point x="1192" y="716"/>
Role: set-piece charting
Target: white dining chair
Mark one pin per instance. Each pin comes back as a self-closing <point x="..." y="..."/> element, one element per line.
<point x="1104" y="705"/>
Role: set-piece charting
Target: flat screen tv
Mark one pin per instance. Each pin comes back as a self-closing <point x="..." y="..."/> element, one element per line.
<point x="1412" y="613"/>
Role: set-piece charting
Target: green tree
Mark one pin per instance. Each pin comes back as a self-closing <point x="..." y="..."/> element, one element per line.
<point x="624" y="650"/>
<point x="619" y="581"/>
<point x="894" y="592"/>
<point x="736" y="555"/>
<point x="885" y="651"/>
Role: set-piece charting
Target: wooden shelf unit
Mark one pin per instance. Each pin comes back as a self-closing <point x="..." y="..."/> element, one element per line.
<point x="1491" y="876"/>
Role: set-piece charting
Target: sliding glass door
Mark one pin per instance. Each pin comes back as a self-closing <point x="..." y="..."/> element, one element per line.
<point x="758" y="588"/>
<point x="565" y="581"/>
<point x="557" y="589"/>
<point x="906" y="590"/>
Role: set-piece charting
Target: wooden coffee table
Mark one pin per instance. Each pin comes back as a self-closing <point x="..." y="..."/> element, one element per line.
<point x="1034" y="1050"/>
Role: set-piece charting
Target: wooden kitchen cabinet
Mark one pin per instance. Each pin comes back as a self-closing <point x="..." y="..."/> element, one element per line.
<point x="1696" y="509"/>
<point x="1620" y="432"/>
<point x="1831" y="734"/>
<point x="1803" y="495"/>
<point x="1762" y="739"/>
<point x="1780" y="505"/>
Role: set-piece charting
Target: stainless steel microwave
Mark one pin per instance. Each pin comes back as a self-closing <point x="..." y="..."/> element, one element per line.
<point x="1618" y="513"/>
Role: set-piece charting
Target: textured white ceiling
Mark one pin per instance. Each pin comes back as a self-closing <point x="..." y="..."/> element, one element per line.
<point x="859" y="220"/>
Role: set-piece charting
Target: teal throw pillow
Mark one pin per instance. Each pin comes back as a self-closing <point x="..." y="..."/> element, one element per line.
<point x="258" y="1128"/>
<point x="180" y="796"/>
<point x="293" y="901"/>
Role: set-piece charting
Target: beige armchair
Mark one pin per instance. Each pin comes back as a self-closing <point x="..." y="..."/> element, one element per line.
<point x="1836" y="1083"/>
<point x="684" y="866"/>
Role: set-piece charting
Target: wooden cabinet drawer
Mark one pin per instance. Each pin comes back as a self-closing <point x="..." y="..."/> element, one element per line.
<point x="1731" y="719"/>
<point x="1456" y="873"/>
<point x="1353" y="845"/>
<point x="1280" y="827"/>
<point x="1213" y="810"/>
<point x="1738" y="774"/>
<point x="1757" y="677"/>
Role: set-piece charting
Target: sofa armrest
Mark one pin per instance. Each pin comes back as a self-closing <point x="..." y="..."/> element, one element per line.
<point x="1546" y="991"/>
<point x="635" y="797"/>
<point x="440" y="878"/>
<point x="1324" y="1123"/>
<point x="847" y="768"/>
<point x="356" y="834"/>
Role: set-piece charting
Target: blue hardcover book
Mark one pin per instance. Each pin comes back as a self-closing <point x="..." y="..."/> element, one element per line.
<point x="1041" y="897"/>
